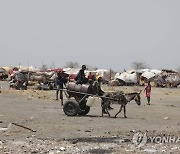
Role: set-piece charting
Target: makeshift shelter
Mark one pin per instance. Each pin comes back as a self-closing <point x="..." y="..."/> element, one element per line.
<point x="127" y="78"/>
<point x="3" y="74"/>
<point x="167" y="78"/>
<point x="7" y="69"/>
<point x="148" y="75"/>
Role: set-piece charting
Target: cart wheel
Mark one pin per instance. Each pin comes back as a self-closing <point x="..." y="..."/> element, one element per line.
<point x="71" y="108"/>
<point x="84" y="111"/>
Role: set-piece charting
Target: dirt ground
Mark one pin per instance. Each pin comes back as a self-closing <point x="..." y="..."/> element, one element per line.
<point x="54" y="132"/>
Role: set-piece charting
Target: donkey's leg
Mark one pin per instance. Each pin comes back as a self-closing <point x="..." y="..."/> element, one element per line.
<point x="102" y="112"/>
<point x="105" y="105"/>
<point x="103" y="109"/>
<point x="106" y="109"/>
<point x="125" y="111"/>
<point x="118" y="111"/>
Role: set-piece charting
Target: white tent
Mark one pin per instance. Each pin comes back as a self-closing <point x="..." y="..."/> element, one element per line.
<point x="148" y="75"/>
<point x="155" y="71"/>
<point x="151" y="73"/>
<point x="127" y="77"/>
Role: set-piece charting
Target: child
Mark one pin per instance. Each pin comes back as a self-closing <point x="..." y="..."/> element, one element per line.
<point x="148" y="92"/>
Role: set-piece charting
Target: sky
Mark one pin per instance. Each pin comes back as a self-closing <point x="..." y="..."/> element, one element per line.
<point x="100" y="33"/>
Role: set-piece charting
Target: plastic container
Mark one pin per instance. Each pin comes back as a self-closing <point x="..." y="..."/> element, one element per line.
<point x="90" y="101"/>
<point x="93" y="101"/>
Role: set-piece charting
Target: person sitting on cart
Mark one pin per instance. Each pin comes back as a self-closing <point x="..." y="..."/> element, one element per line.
<point x="81" y="78"/>
<point x="98" y="91"/>
<point x="60" y="81"/>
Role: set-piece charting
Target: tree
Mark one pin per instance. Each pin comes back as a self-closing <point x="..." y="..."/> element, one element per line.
<point x="72" y="64"/>
<point x="44" y="67"/>
<point x="91" y="68"/>
<point x="139" y="65"/>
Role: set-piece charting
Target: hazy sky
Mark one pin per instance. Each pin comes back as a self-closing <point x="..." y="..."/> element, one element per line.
<point x="101" y="33"/>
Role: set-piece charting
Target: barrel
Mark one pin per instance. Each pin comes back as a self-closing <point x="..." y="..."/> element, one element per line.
<point x="84" y="88"/>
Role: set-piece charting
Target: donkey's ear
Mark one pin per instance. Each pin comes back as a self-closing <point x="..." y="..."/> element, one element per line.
<point x="140" y="91"/>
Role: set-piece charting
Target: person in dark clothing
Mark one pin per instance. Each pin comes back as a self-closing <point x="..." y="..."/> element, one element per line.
<point x="60" y="81"/>
<point x="98" y="91"/>
<point x="81" y="78"/>
<point x="97" y="87"/>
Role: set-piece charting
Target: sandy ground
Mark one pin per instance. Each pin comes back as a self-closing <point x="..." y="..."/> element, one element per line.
<point x="57" y="133"/>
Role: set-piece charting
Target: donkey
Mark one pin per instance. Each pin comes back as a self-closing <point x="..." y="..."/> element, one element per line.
<point x="111" y="97"/>
<point x="122" y="99"/>
<point x="129" y="97"/>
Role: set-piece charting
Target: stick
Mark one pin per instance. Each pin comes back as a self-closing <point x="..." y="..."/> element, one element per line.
<point x="23" y="127"/>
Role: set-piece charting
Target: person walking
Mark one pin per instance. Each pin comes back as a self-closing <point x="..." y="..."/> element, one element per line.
<point x="98" y="91"/>
<point x="60" y="81"/>
<point x="148" y="92"/>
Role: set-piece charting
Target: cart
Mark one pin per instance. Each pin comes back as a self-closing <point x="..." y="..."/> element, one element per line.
<point x="80" y="93"/>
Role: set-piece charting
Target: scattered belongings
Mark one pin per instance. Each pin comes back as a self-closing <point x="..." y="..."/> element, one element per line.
<point x="3" y="74"/>
<point x="3" y="129"/>
<point x="41" y="76"/>
<point x="21" y="77"/>
<point x="20" y="81"/>
<point x="159" y="78"/>
<point x="167" y="78"/>
<point x="45" y="86"/>
<point x="166" y="118"/>
<point x="62" y="148"/>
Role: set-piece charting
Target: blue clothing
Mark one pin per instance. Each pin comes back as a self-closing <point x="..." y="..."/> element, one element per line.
<point x="60" y="80"/>
<point x="59" y="87"/>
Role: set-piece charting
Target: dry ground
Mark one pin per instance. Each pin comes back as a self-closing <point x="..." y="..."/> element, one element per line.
<point x="58" y="133"/>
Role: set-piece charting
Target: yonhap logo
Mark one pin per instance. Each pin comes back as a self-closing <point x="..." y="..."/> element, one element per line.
<point x="140" y="139"/>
